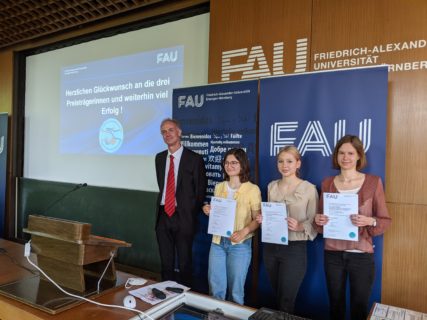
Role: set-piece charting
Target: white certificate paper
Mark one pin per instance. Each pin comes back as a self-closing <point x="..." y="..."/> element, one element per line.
<point x="274" y="226"/>
<point x="221" y="217"/>
<point x="338" y="207"/>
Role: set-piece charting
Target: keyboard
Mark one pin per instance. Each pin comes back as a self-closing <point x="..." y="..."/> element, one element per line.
<point x="268" y="314"/>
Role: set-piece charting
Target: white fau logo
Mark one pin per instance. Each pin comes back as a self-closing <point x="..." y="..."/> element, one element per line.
<point x="195" y="101"/>
<point x="167" y="57"/>
<point x="314" y="138"/>
<point x="256" y="57"/>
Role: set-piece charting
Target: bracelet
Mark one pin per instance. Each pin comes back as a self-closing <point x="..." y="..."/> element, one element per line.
<point x="374" y="224"/>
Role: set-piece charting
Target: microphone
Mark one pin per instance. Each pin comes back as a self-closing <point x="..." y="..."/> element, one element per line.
<point x="75" y="188"/>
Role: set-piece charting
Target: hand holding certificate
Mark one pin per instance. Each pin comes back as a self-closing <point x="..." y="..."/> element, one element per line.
<point x="274" y="225"/>
<point x="221" y="217"/>
<point x="339" y="207"/>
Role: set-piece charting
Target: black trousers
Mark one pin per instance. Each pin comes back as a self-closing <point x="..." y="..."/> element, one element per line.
<point x="286" y="267"/>
<point x="175" y="241"/>
<point x="360" y="269"/>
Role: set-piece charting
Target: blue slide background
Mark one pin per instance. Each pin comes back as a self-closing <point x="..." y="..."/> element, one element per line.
<point x="134" y="124"/>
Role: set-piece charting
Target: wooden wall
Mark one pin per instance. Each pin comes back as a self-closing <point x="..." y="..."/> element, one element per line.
<point x="6" y="101"/>
<point x="378" y="29"/>
<point x="6" y="65"/>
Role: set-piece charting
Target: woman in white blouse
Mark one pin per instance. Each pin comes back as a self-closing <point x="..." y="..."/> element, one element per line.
<point x="286" y="264"/>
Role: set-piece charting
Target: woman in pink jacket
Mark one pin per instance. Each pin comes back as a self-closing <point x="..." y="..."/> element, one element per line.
<point x="353" y="259"/>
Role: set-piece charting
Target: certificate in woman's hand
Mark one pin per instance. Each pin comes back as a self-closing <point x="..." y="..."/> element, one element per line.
<point x="221" y="217"/>
<point x="339" y="207"/>
<point x="274" y="225"/>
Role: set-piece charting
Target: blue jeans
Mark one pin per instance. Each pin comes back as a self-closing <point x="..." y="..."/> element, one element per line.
<point x="228" y="267"/>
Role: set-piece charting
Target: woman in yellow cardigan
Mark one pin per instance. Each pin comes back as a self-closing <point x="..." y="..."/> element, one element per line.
<point x="229" y="258"/>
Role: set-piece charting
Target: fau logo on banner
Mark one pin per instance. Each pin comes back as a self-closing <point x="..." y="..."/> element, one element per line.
<point x="314" y="139"/>
<point x="191" y="101"/>
<point x="313" y="111"/>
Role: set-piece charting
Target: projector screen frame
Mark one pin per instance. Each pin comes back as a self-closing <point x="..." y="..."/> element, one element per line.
<point x="17" y="118"/>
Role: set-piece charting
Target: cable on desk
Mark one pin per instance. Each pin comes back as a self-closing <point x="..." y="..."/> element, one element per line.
<point x="27" y="252"/>
<point x="4" y="252"/>
<point x="105" y="270"/>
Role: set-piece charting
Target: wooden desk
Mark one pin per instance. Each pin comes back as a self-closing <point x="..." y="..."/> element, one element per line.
<point x="14" y="267"/>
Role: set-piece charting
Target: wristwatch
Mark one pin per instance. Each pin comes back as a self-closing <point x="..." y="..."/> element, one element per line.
<point x="374" y="224"/>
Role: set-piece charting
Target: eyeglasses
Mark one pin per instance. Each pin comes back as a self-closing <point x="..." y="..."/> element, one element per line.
<point x="231" y="163"/>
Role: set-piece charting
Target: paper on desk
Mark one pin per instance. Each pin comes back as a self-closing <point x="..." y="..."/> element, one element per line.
<point x="146" y="295"/>
<point x="385" y="312"/>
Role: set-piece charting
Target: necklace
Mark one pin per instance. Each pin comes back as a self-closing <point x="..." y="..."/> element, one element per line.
<point x="348" y="180"/>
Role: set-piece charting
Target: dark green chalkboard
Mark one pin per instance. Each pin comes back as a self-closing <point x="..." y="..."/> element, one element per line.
<point x="122" y="214"/>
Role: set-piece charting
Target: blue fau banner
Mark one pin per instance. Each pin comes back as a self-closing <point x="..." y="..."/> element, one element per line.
<point x="3" y="168"/>
<point x="313" y="111"/>
<point x="214" y="119"/>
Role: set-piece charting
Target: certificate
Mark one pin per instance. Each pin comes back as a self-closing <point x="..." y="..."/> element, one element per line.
<point x="274" y="226"/>
<point x="338" y="207"/>
<point x="221" y="217"/>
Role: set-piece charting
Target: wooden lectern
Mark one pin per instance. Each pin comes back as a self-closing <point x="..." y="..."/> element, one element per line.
<point x="69" y="254"/>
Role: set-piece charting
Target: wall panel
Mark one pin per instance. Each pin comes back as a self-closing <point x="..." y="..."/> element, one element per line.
<point x="6" y="99"/>
<point x="392" y="32"/>
<point x="6" y="81"/>
<point x="405" y="258"/>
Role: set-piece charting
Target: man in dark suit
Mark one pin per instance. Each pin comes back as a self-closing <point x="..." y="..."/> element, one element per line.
<point x="181" y="178"/>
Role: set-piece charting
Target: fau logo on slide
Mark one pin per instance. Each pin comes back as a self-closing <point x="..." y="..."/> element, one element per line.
<point x="167" y="57"/>
<point x="314" y="138"/>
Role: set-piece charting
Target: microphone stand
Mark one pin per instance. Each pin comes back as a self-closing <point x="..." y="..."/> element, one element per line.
<point x="75" y="188"/>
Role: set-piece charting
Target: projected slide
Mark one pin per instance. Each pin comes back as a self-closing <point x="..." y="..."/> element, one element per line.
<point x="115" y="106"/>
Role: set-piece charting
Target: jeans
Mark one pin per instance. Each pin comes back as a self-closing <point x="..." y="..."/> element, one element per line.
<point x="360" y="268"/>
<point x="286" y="266"/>
<point x="228" y="267"/>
